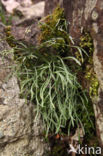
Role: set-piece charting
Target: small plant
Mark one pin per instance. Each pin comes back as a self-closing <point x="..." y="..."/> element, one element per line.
<point x="47" y="78"/>
<point x="55" y="90"/>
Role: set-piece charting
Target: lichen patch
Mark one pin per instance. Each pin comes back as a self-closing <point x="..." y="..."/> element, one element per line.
<point x="94" y="15"/>
<point x="95" y="27"/>
<point x="89" y="6"/>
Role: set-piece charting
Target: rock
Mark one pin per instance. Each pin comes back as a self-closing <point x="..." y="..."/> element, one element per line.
<point x="88" y="16"/>
<point x="10" y="5"/>
<point x="26" y="32"/>
<point x="6" y="62"/>
<point x="20" y="134"/>
<point x="25" y="3"/>
<point x="36" y="10"/>
<point x="26" y="8"/>
<point x="36" y="1"/>
<point x="26" y="29"/>
<point x="50" y="5"/>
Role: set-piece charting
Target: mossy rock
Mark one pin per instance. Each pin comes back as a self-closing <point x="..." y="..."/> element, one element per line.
<point x="86" y="42"/>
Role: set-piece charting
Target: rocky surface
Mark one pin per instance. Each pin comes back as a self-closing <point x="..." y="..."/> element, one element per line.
<point x="36" y="10"/>
<point x="20" y="134"/>
<point x="26" y="28"/>
<point x="25" y="8"/>
<point x="26" y="31"/>
<point x="50" y="5"/>
<point x="88" y="15"/>
<point x="10" y="5"/>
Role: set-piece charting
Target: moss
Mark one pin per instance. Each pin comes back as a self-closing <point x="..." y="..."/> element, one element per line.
<point x="90" y="82"/>
<point x="9" y="37"/>
<point x="94" y="84"/>
<point x="54" y="28"/>
<point x="49" y="25"/>
<point x="86" y="42"/>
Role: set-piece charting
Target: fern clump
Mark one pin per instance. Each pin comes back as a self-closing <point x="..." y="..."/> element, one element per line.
<point x="54" y="88"/>
<point x="46" y="76"/>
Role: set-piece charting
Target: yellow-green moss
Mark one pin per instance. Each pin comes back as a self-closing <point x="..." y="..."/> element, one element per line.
<point x="9" y="37"/>
<point x="94" y="84"/>
<point x="86" y="43"/>
<point x="53" y="25"/>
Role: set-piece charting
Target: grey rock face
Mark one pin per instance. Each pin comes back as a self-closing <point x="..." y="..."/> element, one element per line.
<point x="20" y="134"/>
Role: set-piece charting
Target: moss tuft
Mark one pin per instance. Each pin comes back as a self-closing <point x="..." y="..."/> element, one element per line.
<point x="54" y="28"/>
<point x="86" y="42"/>
<point x="94" y="84"/>
<point x="49" y="25"/>
<point x="9" y="37"/>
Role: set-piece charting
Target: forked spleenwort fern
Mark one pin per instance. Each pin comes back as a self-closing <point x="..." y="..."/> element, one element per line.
<point x="47" y="79"/>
